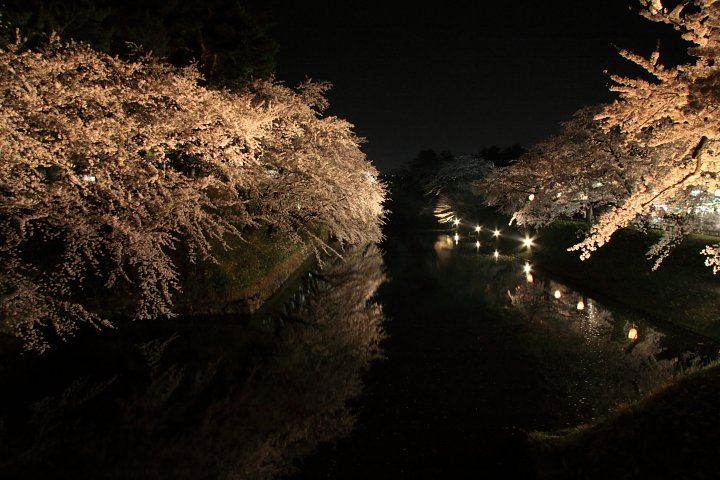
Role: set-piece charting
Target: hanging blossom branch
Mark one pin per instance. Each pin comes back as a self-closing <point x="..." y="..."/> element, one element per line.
<point x="675" y="115"/>
<point x="109" y="165"/>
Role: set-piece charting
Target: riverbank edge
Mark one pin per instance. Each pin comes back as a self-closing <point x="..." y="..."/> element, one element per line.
<point x="666" y="431"/>
<point x="659" y="436"/>
<point x="246" y="298"/>
<point x="248" y="278"/>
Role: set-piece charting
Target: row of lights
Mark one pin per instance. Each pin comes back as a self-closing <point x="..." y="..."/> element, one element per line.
<point x="528" y="243"/>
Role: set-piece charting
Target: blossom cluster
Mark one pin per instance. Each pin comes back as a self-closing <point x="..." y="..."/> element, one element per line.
<point x="108" y="165"/>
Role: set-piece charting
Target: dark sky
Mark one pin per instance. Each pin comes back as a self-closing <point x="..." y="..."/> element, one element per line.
<point x="458" y="76"/>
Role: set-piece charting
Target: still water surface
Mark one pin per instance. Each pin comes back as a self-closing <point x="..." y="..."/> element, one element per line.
<point x="477" y="355"/>
<point x="429" y="361"/>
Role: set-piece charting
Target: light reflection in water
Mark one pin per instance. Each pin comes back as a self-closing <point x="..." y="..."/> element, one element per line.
<point x="604" y="345"/>
<point x="591" y="356"/>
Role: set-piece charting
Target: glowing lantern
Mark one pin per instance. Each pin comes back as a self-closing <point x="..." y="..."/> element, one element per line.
<point x="633" y="333"/>
<point x="557" y="294"/>
<point x="581" y="305"/>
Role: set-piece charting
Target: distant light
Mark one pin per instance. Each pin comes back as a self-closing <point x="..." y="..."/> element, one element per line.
<point x="477" y="244"/>
<point x="528" y="242"/>
<point x="496" y="232"/>
<point x="478" y="228"/>
<point x="557" y="294"/>
<point x="456" y="222"/>
<point x="456" y="237"/>
<point x="581" y="305"/>
<point x="633" y="334"/>
<point x="527" y="268"/>
<point x="531" y="197"/>
<point x="496" y="254"/>
<point x="529" y="277"/>
<point x="89" y="178"/>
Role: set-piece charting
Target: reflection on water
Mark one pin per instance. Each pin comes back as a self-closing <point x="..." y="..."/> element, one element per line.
<point x="218" y="399"/>
<point x="591" y="357"/>
<point x="621" y="368"/>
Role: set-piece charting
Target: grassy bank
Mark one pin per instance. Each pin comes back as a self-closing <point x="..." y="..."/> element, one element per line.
<point x="674" y="433"/>
<point x="246" y="275"/>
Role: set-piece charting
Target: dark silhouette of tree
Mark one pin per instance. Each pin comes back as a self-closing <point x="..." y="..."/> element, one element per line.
<point x="501" y="157"/>
<point x="429" y="161"/>
<point x="227" y="39"/>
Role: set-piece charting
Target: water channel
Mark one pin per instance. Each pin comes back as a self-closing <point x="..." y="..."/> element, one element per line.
<point x="427" y="358"/>
<point x="477" y="355"/>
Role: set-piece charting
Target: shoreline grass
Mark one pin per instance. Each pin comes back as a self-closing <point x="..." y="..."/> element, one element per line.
<point x="673" y="433"/>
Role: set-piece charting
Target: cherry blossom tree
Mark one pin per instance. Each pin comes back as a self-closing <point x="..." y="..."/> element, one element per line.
<point x="653" y="151"/>
<point x="674" y="113"/>
<point x="109" y="165"/>
<point x="577" y="171"/>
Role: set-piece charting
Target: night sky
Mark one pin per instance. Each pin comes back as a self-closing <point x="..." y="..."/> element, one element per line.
<point x="458" y="77"/>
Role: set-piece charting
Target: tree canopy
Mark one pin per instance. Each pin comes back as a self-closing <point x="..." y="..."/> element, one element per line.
<point x="109" y="165"/>
<point x="655" y="148"/>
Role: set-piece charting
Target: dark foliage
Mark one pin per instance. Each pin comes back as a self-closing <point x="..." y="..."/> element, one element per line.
<point x="227" y="38"/>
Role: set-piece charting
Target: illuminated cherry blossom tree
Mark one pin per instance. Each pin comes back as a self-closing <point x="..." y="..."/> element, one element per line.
<point x="577" y="171"/>
<point x="108" y="165"/>
<point x="652" y="152"/>
<point x="675" y="114"/>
